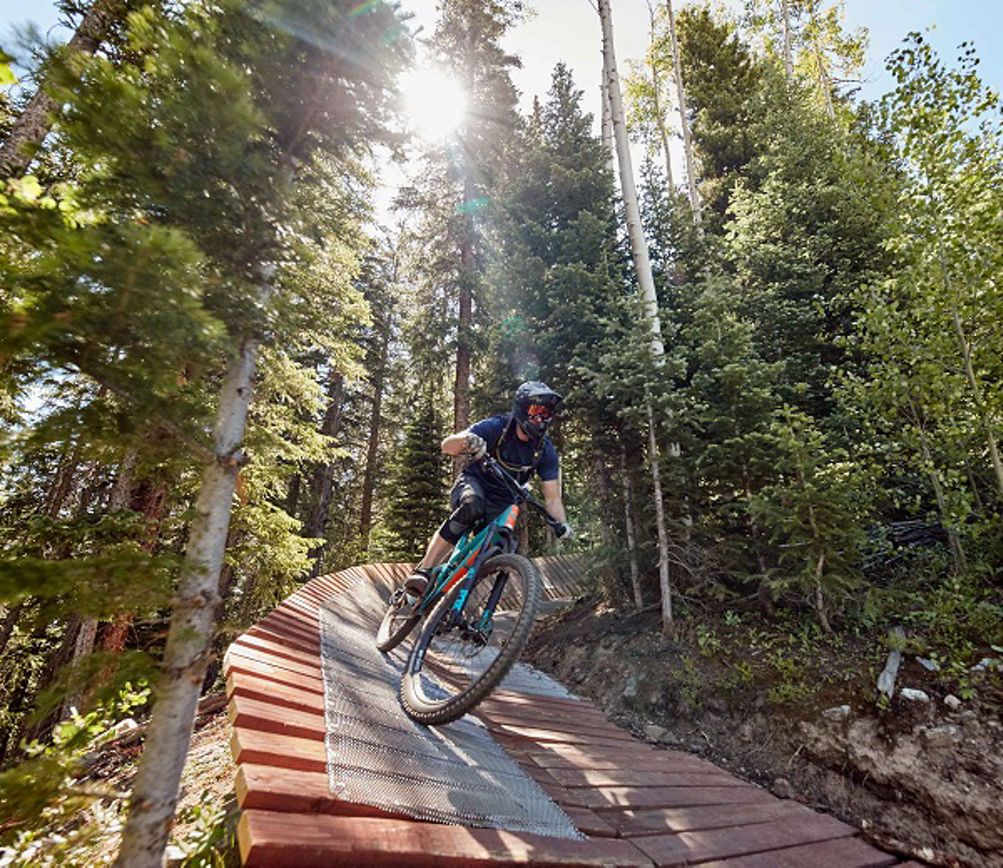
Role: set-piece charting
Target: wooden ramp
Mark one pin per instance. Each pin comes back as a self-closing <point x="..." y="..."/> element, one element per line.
<point x="637" y="805"/>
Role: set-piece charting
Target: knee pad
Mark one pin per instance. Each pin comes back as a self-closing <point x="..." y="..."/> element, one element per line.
<point x="468" y="513"/>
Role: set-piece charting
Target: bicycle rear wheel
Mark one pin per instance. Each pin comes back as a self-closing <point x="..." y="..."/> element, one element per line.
<point x="397" y="623"/>
<point x="460" y="657"/>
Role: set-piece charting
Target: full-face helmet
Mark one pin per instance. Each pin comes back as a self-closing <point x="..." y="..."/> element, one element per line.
<point x="534" y="407"/>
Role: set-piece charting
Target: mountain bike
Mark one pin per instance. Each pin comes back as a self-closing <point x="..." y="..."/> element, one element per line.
<point x="478" y="610"/>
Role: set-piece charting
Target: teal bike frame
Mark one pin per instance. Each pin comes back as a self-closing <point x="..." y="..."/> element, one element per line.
<point x="471" y="551"/>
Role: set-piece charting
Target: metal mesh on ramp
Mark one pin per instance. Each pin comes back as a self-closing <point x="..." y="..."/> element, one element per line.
<point x="378" y="756"/>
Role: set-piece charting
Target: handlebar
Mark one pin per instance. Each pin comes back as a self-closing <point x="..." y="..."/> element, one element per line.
<point x="520" y="491"/>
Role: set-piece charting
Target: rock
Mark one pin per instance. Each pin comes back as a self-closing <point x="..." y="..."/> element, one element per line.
<point x="986" y="663"/>
<point x="670" y="739"/>
<point x="952" y="702"/>
<point x="913" y="695"/>
<point x="783" y="789"/>
<point x="839" y="712"/>
<point x="970" y="720"/>
<point x="745" y="732"/>
<point x="653" y="732"/>
<point x="929" y="665"/>
<point x="940" y="737"/>
<point x="630" y="687"/>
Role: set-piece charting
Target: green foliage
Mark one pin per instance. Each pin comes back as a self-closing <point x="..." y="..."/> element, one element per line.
<point x="814" y="514"/>
<point x="416" y="484"/>
<point x="211" y="833"/>
<point x="41" y="797"/>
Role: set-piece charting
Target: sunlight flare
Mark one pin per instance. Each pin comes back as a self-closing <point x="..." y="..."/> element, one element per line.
<point x="434" y="101"/>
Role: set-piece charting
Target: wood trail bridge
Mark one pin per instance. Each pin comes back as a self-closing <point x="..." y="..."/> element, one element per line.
<point x="633" y="804"/>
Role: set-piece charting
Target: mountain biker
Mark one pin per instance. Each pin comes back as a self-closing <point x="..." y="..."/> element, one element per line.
<point x="519" y="442"/>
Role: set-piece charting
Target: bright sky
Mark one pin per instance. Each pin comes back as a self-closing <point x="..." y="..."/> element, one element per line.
<point x="568" y="30"/>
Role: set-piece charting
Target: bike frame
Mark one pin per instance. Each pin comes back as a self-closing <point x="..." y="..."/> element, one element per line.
<point x="471" y="551"/>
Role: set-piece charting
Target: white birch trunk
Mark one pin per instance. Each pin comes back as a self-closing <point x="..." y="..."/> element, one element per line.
<point x="607" y="118"/>
<point x="824" y="83"/>
<point x="656" y="83"/>
<point x="193" y="621"/>
<point x="649" y="300"/>
<point x="788" y="62"/>
<point x="635" y="233"/>
<point x="691" y="173"/>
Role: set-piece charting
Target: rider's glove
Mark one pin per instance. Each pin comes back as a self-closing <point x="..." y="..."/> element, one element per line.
<point x="564" y="531"/>
<point x="475" y="446"/>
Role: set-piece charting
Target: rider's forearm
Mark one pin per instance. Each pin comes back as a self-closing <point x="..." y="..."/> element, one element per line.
<point x="556" y="508"/>
<point x="454" y="443"/>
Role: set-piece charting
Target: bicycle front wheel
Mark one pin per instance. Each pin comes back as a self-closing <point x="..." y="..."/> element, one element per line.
<point x="398" y="621"/>
<point x="461" y="655"/>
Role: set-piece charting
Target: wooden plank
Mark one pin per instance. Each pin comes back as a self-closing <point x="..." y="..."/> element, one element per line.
<point x="558" y="755"/>
<point x="643" y="778"/>
<point x="284" y="695"/>
<point x="285" y="638"/>
<point x="290" y="792"/>
<point x="251" y="746"/>
<point x="255" y="714"/>
<point x="252" y="643"/>
<point x="706" y="845"/>
<point x="540" y="734"/>
<point x="838" y="853"/>
<point x="632" y="823"/>
<point x="626" y="798"/>
<point x="242" y="659"/>
<point x="281" y="840"/>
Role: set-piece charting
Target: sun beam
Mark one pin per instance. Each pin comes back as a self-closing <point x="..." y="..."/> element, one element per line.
<point x="434" y="101"/>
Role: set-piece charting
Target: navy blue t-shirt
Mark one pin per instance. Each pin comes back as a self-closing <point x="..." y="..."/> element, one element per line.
<point x="515" y="454"/>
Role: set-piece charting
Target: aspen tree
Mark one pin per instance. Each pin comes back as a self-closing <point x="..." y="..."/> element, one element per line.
<point x="649" y="301"/>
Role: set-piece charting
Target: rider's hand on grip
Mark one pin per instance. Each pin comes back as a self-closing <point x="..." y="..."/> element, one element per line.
<point x="564" y="531"/>
<point x="475" y="446"/>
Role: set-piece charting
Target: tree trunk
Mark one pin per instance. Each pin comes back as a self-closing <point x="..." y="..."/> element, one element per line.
<point x="824" y="84"/>
<point x="372" y="448"/>
<point x="973" y="383"/>
<point x="691" y="173"/>
<point x="628" y="518"/>
<point x="646" y="282"/>
<point x="607" y="119"/>
<point x="193" y="620"/>
<point x="788" y="62"/>
<point x="117" y="501"/>
<point x="322" y="481"/>
<point x="293" y="494"/>
<point x="957" y="550"/>
<point x="10" y="619"/>
<point x="663" y="537"/>
<point x="656" y="84"/>
<point x="819" y="600"/>
<point x="635" y="232"/>
<point x="464" y="329"/>
<point x="36" y="120"/>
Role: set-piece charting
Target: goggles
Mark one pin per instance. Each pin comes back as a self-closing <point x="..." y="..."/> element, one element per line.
<point x="539" y="413"/>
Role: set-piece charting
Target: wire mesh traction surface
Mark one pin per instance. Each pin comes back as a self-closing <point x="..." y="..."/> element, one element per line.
<point x="378" y="756"/>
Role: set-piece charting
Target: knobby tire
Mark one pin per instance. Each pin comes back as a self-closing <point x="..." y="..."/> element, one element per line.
<point x="526" y="591"/>
<point x="396" y="625"/>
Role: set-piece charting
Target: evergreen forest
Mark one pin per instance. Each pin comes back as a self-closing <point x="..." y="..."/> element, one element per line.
<point x="224" y="371"/>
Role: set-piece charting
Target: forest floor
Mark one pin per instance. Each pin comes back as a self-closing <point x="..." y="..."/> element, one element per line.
<point x="783" y="705"/>
<point x="204" y="832"/>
